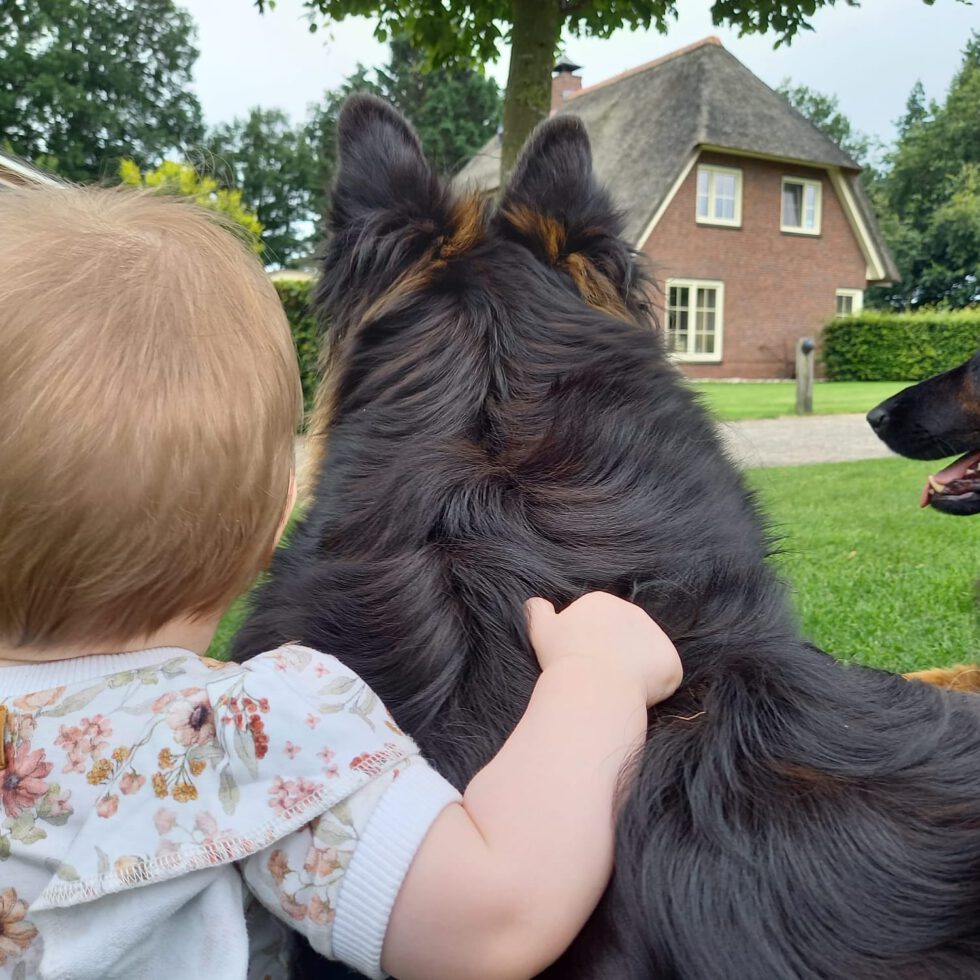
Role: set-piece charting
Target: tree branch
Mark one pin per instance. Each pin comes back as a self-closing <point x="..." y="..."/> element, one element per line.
<point x="570" y="7"/>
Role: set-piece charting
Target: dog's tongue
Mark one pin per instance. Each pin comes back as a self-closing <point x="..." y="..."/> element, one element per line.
<point x="955" y="471"/>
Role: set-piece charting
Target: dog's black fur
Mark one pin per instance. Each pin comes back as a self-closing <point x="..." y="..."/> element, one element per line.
<point x="936" y="418"/>
<point x="494" y="436"/>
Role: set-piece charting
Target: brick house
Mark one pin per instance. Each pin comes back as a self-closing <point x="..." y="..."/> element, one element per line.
<point x="15" y="172"/>
<point x="755" y="223"/>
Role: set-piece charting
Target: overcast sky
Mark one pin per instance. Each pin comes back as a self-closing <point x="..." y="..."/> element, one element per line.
<point x="868" y="56"/>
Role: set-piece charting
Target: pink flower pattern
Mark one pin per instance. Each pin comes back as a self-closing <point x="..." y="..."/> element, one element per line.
<point x="195" y="760"/>
<point x="287" y="794"/>
<point x="16" y="933"/>
<point x="192" y="718"/>
<point x="84" y="742"/>
<point x="107" y="806"/>
<point x="22" y="783"/>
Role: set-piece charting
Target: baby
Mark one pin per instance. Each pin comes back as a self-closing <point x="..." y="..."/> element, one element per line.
<point x="162" y="814"/>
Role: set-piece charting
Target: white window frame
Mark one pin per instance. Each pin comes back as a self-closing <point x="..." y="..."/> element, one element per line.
<point x="801" y="229"/>
<point x="856" y="297"/>
<point x="712" y="171"/>
<point x="693" y="285"/>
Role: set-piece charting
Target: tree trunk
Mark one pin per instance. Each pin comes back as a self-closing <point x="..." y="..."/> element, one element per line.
<point x="527" y="100"/>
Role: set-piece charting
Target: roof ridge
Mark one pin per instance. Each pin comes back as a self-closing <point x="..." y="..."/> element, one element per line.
<point x="794" y="111"/>
<point x="700" y="134"/>
<point x="680" y="52"/>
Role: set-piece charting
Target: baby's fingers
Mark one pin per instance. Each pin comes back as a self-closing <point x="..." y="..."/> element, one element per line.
<point x="539" y="612"/>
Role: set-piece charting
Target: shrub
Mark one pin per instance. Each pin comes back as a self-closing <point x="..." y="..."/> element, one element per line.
<point x="878" y="345"/>
<point x="295" y="295"/>
<point x="181" y="179"/>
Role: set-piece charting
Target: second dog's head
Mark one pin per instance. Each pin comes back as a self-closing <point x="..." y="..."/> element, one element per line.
<point x="936" y="418"/>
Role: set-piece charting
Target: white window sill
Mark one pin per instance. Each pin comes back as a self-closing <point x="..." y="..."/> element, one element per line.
<point x="720" y="222"/>
<point x="696" y="358"/>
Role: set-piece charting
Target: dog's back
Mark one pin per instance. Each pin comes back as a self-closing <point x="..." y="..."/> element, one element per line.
<point x="501" y="425"/>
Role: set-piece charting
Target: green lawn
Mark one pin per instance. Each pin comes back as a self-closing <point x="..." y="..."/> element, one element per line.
<point x="229" y="624"/>
<point x="732" y="401"/>
<point x="875" y="579"/>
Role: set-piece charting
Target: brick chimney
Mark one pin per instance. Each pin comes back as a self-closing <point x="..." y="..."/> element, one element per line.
<point x="564" y="82"/>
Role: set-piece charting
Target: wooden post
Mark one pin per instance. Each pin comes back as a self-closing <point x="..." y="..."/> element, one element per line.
<point x="804" y="376"/>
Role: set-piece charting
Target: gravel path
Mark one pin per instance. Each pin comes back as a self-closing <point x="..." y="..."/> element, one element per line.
<point x="788" y="441"/>
<point x="793" y="440"/>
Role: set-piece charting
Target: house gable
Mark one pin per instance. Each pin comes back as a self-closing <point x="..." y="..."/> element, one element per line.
<point x="777" y="286"/>
<point x="648" y="125"/>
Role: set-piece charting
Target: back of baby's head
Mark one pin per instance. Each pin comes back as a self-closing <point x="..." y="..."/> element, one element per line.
<point x="148" y="400"/>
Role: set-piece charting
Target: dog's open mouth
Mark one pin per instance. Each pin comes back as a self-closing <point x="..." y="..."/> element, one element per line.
<point x="955" y="489"/>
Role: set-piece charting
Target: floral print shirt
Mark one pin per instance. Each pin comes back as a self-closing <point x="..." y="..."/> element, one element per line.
<point x="135" y="800"/>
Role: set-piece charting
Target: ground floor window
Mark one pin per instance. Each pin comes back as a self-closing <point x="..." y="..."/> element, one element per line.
<point x="695" y="309"/>
<point x="849" y="301"/>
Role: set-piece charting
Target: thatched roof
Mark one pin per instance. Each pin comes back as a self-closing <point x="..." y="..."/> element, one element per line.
<point x="645" y="123"/>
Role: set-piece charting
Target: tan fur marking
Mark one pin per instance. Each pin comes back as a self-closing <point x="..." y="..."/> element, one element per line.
<point x="809" y="779"/>
<point x="962" y="677"/>
<point x="317" y="429"/>
<point x="539" y="228"/>
<point x="468" y="221"/>
<point x="551" y="237"/>
<point x="596" y="289"/>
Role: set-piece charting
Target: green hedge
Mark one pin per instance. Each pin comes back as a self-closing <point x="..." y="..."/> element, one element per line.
<point x="877" y="345"/>
<point x="296" y="297"/>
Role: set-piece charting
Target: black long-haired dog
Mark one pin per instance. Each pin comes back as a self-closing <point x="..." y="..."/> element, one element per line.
<point x="499" y="420"/>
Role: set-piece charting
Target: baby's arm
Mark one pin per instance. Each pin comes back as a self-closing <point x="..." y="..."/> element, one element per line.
<point x="504" y="880"/>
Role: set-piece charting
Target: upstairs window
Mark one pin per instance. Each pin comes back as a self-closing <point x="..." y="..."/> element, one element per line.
<point x="801" y="206"/>
<point x="719" y="198"/>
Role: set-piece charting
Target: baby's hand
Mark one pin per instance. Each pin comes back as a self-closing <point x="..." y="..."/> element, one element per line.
<point x="602" y="628"/>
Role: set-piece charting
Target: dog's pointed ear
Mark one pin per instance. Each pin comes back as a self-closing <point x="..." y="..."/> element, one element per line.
<point x="555" y="206"/>
<point x="554" y="177"/>
<point x="384" y="184"/>
<point x="554" y="168"/>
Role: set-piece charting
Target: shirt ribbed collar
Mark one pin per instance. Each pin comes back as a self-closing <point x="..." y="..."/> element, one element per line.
<point x="30" y="678"/>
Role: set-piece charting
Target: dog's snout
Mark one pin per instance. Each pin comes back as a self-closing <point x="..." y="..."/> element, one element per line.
<point x="877" y="417"/>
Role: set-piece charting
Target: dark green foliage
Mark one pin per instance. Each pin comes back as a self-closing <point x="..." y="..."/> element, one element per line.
<point x="882" y="346"/>
<point x="295" y="295"/>
<point x="85" y="83"/>
<point x="471" y="33"/>
<point x="271" y="162"/>
<point x="320" y="133"/>
<point x="929" y="199"/>
<point x="825" y="113"/>
<point x="454" y="110"/>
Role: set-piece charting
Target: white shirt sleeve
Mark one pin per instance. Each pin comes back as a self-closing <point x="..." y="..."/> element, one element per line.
<point x="336" y="879"/>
